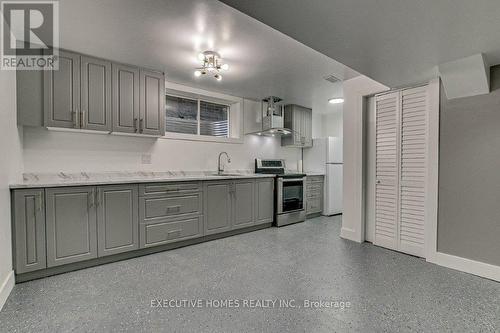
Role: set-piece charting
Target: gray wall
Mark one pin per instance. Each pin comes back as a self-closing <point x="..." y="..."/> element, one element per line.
<point x="469" y="176"/>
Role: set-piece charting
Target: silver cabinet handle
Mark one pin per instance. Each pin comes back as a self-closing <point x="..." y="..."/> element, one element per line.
<point x="91" y="198"/>
<point x="173" y="209"/>
<point x="74" y="116"/>
<point x="141" y="125"/>
<point x="83" y="122"/>
<point x="135" y="125"/>
<point x="98" y="197"/>
<point x="40" y="202"/>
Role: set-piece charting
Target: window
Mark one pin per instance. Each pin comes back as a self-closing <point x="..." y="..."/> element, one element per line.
<point x="196" y="116"/>
<point x="214" y="119"/>
<point x="182" y="115"/>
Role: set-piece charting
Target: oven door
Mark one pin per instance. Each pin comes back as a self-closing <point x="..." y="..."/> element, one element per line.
<point x="290" y="195"/>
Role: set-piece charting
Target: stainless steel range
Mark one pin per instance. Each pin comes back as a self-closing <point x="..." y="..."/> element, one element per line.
<point x="290" y="196"/>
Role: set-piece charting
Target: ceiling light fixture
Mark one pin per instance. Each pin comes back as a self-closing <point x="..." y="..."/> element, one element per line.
<point x="211" y="64"/>
<point x="336" y="100"/>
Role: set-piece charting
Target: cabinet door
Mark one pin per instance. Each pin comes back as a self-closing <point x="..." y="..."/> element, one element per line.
<point x="125" y="94"/>
<point x="313" y="205"/>
<point x="95" y="94"/>
<point x="243" y="195"/>
<point x="307" y="127"/>
<point x="297" y="125"/>
<point x="62" y="92"/>
<point x="217" y="207"/>
<point x="264" y="200"/>
<point x="29" y="229"/>
<point x="71" y="225"/>
<point x="117" y="219"/>
<point x="152" y="103"/>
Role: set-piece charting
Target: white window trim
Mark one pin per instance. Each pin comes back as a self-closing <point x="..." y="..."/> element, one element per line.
<point x="235" y="116"/>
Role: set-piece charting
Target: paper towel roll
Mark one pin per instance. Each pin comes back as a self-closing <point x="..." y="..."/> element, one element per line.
<point x="299" y="166"/>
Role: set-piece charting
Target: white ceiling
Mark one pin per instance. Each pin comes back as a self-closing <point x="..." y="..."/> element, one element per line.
<point x="395" y="42"/>
<point x="169" y="34"/>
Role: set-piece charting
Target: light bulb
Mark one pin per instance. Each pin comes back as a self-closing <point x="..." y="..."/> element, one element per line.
<point x="225" y="67"/>
<point x="336" y="100"/>
<point x="197" y="73"/>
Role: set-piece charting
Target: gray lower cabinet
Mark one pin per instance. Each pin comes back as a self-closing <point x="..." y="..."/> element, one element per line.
<point x="314" y="195"/>
<point x="217" y="206"/>
<point x="64" y="225"/>
<point x="170" y="212"/>
<point x="29" y="230"/>
<point x="234" y="204"/>
<point x="117" y="219"/>
<point x="62" y="92"/>
<point x="264" y="200"/>
<point x="243" y="205"/>
<point x="95" y="94"/>
<point x="71" y="225"/>
<point x="170" y="230"/>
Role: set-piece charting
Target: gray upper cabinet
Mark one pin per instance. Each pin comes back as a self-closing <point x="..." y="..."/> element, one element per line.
<point x="95" y="94"/>
<point x="217" y="206"/>
<point x="125" y="83"/>
<point x="29" y="230"/>
<point x="117" y="219"/>
<point x="62" y="92"/>
<point x="71" y="225"/>
<point x="264" y="200"/>
<point x="152" y="103"/>
<point x="299" y="120"/>
<point x="243" y="196"/>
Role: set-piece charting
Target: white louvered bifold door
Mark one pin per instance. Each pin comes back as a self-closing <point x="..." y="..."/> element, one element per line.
<point x="414" y="128"/>
<point x="387" y="170"/>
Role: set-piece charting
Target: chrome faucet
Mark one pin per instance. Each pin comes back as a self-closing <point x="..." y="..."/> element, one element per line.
<point x="220" y="170"/>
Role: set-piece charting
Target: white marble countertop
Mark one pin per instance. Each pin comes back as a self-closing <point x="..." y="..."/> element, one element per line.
<point x="37" y="180"/>
<point x="314" y="173"/>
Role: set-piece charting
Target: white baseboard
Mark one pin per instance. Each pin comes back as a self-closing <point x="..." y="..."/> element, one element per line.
<point x="478" y="268"/>
<point x="349" y="234"/>
<point x="6" y="287"/>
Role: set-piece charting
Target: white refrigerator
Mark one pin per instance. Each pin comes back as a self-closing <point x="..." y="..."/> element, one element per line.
<point x="326" y="157"/>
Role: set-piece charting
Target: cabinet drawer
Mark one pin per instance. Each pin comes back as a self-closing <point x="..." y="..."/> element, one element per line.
<point x="314" y="187"/>
<point x="315" y="179"/>
<point x="313" y="206"/>
<point x="169" y="188"/>
<point x="162" y="207"/>
<point x="169" y="232"/>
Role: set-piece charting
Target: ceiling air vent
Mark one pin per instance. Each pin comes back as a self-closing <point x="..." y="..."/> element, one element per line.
<point x="332" y="79"/>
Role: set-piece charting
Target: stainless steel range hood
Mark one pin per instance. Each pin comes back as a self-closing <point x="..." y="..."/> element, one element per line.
<point x="272" y="118"/>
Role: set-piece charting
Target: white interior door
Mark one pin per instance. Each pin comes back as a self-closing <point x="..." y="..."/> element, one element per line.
<point x="400" y="170"/>
<point x="414" y="132"/>
<point x="387" y="170"/>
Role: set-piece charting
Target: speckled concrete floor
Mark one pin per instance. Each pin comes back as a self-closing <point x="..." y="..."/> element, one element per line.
<point x="387" y="291"/>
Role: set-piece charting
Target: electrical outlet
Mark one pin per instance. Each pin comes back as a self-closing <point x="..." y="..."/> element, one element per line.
<point x="146" y="158"/>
